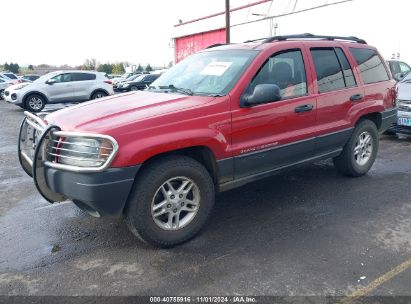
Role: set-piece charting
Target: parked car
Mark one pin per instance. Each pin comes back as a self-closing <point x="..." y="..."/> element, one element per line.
<point x="139" y="83"/>
<point x="118" y="83"/>
<point x="121" y="78"/>
<point x="11" y="78"/>
<point x="30" y="78"/>
<point x="62" y="86"/>
<point x="398" y="69"/>
<point x="219" y="119"/>
<point x="403" y="123"/>
<point x="3" y="85"/>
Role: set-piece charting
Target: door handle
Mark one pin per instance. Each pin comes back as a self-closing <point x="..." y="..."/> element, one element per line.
<point x="356" y="97"/>
<point x="304" y="108"/>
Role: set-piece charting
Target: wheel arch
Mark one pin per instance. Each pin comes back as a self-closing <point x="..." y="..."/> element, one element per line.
<point x="203" y="154"/>
<point x="24" y="99"/>
<point x="98" y="90"/>
<point x="375" y="117"/>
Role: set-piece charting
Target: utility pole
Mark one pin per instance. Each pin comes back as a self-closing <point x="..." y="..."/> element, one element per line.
<point x="227" y="21"/>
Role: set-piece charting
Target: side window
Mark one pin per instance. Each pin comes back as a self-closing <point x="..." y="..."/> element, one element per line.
<point x="286" y="70"/>
<point x="83" y="76"/>
<point x="371" y="67"/>
<point x="328" y="69"/>
<point x="404" y="67"/>
<point x="347" y="71"/>
<point x="62" y="78"/>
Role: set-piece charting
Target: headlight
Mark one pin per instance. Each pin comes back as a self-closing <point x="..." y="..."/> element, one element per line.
<point x="81" y="151"/>
<point x="125" y="85"/>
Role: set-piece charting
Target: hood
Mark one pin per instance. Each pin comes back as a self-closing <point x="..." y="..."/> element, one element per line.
<point x="18" y="86"/>
<point x="404" y="91"/>
<point x="107" y="114"/>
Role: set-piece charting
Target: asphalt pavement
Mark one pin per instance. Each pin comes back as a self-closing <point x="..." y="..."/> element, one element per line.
<point x="305" y="232"/>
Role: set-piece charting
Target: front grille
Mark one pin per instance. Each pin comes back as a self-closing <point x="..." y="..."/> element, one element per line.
<point x="404" y="108"/>
<point x="400" y="129"/>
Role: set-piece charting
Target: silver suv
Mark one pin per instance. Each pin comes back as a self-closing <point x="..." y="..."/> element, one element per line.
<point x="55" y="87"/>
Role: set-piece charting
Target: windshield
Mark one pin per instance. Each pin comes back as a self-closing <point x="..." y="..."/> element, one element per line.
<point x="11" y="76"/>
<point x="46" y="77"/>
<point x="407" y="77"/>
<point x="206" y="73"/>
<point x="125" y="75"/>
<point x="132" y="77"/>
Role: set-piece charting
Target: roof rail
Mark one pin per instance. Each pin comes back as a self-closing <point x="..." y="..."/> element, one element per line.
<point x="215" y="45"/>
<point x="311" y="36"/>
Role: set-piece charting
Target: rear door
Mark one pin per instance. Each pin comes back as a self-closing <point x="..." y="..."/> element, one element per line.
<point x="280" y="133"/>
<point x="82" y="85"/>
<point x="337" y="92"/>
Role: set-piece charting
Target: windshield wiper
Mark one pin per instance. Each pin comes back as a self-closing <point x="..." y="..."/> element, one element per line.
<point x="181" y="90"/>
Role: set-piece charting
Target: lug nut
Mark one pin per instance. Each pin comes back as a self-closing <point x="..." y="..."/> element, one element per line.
<point x="172" y="196"/>
<point x="175" y="210"/>
<point x="169" y="206"/>
<point x="180" y="196"/>
<point x="182" y="204"/>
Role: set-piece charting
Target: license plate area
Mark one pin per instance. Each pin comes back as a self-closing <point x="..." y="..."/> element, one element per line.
<point x="404" y="121"/>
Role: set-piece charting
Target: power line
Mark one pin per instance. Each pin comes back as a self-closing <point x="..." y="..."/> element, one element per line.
<point x="292" y="13"/>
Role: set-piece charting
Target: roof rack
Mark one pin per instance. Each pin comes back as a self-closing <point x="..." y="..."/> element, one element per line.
<point x="311" y="36"/>
<point x="215" y="45"/>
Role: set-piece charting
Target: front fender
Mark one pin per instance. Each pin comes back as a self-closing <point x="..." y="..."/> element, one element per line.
<point x="139" y="151"/>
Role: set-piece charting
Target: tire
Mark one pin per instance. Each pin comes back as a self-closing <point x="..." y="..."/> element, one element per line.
<point x="99" y="94"/>
<point x="1" y="94"/>
<point x="146" y="193"/>
<point x="351" y="164"/>
<point x="34" y="103"/>
<point x="133" y="88"/>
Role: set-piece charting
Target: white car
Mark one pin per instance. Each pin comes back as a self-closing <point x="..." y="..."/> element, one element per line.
<point x="4" y="84"/>
<point x="56" y="87"/>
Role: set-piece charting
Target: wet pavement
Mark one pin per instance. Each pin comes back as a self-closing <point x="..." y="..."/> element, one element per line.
<point x="305" y="232"/>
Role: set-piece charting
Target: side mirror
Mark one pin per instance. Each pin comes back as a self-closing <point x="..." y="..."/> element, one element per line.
<point x="399" y="76"/>
<point x="51" y="81"/>
<point x="263" y="93"/>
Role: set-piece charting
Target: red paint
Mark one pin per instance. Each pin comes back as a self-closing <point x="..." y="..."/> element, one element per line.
<point x="185" y="46"/>
<point x="146" y="124"/>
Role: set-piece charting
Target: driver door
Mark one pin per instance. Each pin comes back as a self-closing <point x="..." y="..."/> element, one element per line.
<point x="279" y="133"/>
<point x="62" y="89"/>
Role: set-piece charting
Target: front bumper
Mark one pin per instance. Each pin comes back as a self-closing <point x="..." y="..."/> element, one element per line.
<point x="104" y="192"/>
<point x="12" y="97"/>
<point x="396" y="128"/>
<point x="388" y="118"/>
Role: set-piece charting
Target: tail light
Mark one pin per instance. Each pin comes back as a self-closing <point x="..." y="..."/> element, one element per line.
<point x="394" y="93"/>
<point x="108" y="81"/>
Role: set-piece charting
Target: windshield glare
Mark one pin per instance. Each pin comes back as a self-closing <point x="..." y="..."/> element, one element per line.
<point x="46" y="77"/>
<point x="207" y="73"/>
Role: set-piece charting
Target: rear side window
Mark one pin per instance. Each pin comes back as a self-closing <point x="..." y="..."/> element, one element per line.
<point x="329" y="72"/>
<point x="346" y="68"/>
<point x="83" y="76"/>
<point x="371" y="67"/>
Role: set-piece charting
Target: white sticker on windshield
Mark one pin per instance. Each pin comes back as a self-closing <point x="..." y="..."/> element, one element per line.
<point x="216" y="68"/>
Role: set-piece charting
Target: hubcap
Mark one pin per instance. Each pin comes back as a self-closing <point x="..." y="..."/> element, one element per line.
<point x="175" y="203"/>
<point x="363" y="148"/>
<point x="35" y="103"/>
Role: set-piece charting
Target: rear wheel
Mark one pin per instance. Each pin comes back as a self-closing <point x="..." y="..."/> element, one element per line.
<point x="360" y="152"/>
<point x="170" y="201"/>
<point x="98" y="94"/>
<point x="133" y="88"/>
<point x="35" y="103"/>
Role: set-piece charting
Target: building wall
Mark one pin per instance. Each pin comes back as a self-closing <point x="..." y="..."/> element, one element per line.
<point x="380" y="23"/>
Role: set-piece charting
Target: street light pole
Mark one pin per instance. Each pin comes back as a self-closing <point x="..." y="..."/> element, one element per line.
<point x="227" y="21"/>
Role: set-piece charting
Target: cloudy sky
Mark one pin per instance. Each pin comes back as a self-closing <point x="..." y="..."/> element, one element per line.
<point x="69" y="31"/>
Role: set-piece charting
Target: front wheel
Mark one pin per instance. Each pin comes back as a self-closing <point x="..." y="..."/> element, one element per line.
<point x="35" y="103"/>
<point x="360" y="152"/>
<point x="170" y="201"/>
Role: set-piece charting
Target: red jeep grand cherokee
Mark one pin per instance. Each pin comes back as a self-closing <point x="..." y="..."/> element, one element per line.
<point x="224" y="117"/>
